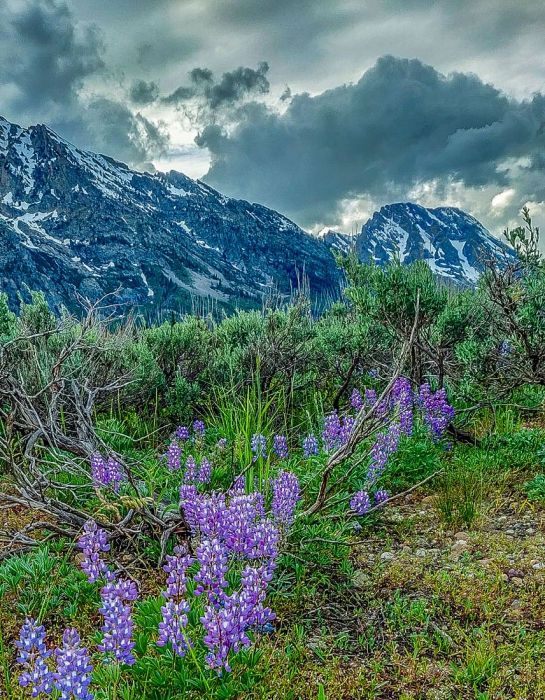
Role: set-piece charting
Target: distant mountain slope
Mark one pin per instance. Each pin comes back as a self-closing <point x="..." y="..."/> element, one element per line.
<point x="72" y="222"/>
<point x="449" y="240"/>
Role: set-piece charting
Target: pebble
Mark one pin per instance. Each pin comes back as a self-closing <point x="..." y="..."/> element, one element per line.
<point x="461" y="536"/>
<point x="360" y="578"/>
<point x="538" y="565"/>
<point x="505" y="577"/>
<point x="530" y="531"/>
<point x="515" y="604"/>
<point x="387" y="556"/>
<point x="421" y="552"/>
<point x="509" y="532"/>
<point x="459" y="547"/>
<point x="516" y="581"/>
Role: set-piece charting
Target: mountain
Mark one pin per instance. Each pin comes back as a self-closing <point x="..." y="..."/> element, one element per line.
<point x="449" y="240"/>
<point x="74" y="223"/>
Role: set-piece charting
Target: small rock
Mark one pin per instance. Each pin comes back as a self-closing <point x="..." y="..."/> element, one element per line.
<point x="459" y="547"/>
<point x="485" y="562"/>
<point x="509" y="532"/>
<point x="505" y="577"/>
<point x="515" y="573"/>
<point x="360" y="578"/>
<point x="463" y="536"/>
<point x="80" y="557"/>
<point x="530" y="531"/>
<point x="538" y="565"/>
<point x="387" y="556"/>
<point x="516" y="581"/>
<point x="428" y="499"/>
<point x="515" y="604"/>
<point x="406" y="548"/>
<point x="421" y="552"/>
<point x="421" y="512"/>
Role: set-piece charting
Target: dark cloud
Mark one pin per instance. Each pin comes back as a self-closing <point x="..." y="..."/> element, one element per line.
<point x="142" y="93"/>
<point x="231" y="88"/>
<point x="44" y="55"/>
<point x="402" y="124"/>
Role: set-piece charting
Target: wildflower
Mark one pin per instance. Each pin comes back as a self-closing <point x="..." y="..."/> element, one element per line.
<point x="286" y="493"/>
<point x="173" y="456"/>
<point x="32" y="655"/>
<point x="331" y="434"/>
<point x="190" y="475"/>
<point x="92" y="543"/>
<point x="385" y="444"/>
<point x="199" y="429"/>
<point x="280" y="446"/>
<point x="182" y="432"/>
<point x="118" y="624"/>
<point x="381" y="496"/>
<point x="222" y="443"/>
<point x="176" y="609"/>
<point x="310" y="445"/>
<point x="106" y="472"/>
<point x="259" y="446"/>
<point x="360" y="502"/>
<point x="73" y="675"/>
<point x="356" y="400"/>
<point x="205" y="471"/>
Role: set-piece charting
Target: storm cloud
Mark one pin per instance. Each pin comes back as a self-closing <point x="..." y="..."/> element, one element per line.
<point x="403" y="123"/>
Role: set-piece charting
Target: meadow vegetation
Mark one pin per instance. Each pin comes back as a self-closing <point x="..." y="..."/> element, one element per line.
<point x="280" y="503"/>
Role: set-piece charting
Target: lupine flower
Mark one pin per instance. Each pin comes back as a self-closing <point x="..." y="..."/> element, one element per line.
<point x="182" y="432"/>
<point x="373" y="373"/>
<point x="438" y="413"/>
<point x="286" y="493"/>
<point x="505" y="348"/>
<point x="190" y="475"/>
<point x="356" y="400"/>
<point x="199" y="429"/>
<point x="173" y="456"/>
<point x="280" y="446"/>
<point x="205" y="471"/>
<point x="225" y="630"/>
<point x="370" y="397"/>
<point x="259" y="446"/>
<point x="380" y="496"/>
<point x="254" y="585"/>
<point x="73" y="677"/>
<point x="401" y="398"/>
<point x="212" y="557"/>
<point x="360" y="502"/>
<point x="106" y="472"/>
<point x="172" y="627"/>
<point x="331" y="434"/>
<point x="385" y="444"/>
<point x="310" y="445"/>
<point x="92" y="543"/>
<point x="32" y="655"/>
<point x="175" y="610"/>
<point x="222" y="443"/>
<point x="346" y="429"/>
<point x="118" y="624"/>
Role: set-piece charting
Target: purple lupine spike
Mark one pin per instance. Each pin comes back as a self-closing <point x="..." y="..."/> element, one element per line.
<point x="331" y="434"/>
<point x="93" y="542"/>
<point x="286" y="493"/>
<point x="346" y="429"/>
<point x="189" y="503"/>
<point x="176" y="568"/>
<point x="176" y="609"/>
<point x="280" y="446"/>
<point x="225" y="630"/>
<point x="438" y="413"/>
<point x="190" y="476"/>
<point x="118" y="624"/>
<point x="173" y="455"/>
<point x="205" y="471"/>
<point x="385" y="445"/>
<point x="221" y="444"/>
<point x="73" y="674"/>
<point x="373" y="373"/>
<point x="360" y="502"/>
<point x="310" y="445"/>
<point x="32" y="655"/>
<point x="253" y="593"/>
<point x="381" y="496"/>
<point x="370" y="397"/>
<point x="106" y="472"/>
<point x="172" y="627"/>
<point x="212" y="557"/>
<point x="199" y="429"/>
<point x="401" y="397"/>
<point x="182" y="432"/>
<point x="258" y="446"/>
<point x="356" y="400"/>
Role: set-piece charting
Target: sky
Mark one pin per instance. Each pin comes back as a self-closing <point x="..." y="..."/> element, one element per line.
<point x="324" y="110"/>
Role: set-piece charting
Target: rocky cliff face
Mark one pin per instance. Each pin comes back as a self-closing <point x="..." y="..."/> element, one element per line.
<point x="452" y="242"/>
<point x="78" y="223"/>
